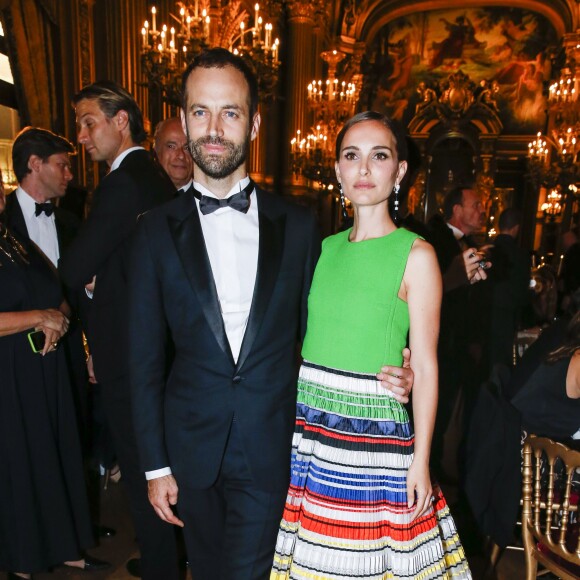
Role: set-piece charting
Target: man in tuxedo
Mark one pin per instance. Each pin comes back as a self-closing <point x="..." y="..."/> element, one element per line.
<point x="223" y="272"/>
<point x="508" y="291"/>
<point x="170" y="145"/>
<point x="42" y="167"/>
<point x="41" y="162"/>
<point x="460" y="265"/>
<point x="110" y="127"/>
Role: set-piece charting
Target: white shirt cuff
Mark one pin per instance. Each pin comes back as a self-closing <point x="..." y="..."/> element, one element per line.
<point x="89" y="293"/>
<point x="157" y="473"/>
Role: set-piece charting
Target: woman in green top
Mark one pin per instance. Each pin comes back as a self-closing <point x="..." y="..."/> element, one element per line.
<point x="360" y="502"/>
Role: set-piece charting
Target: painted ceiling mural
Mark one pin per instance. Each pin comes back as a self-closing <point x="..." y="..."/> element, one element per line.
<point x="505" y="52"/>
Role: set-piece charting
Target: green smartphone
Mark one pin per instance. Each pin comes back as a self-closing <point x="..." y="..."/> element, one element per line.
<point x="36" y="338"/>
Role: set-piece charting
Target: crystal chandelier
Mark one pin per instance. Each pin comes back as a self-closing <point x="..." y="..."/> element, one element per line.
<point x="332" y="102"/>
<point x="552" y="206"/>
<point x="313" y="155"/>
<point x="553" y="164"/>
<point x="553" y="159"/>
<point x="565" y="90"/>
<point x="166" y="49"/>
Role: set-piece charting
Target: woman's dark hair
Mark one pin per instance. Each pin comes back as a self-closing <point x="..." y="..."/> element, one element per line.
<point x="113" y="98"/>
<point x="571" y="343"/>
<point x="400" y="145"/>
<point x="220" y="58"/>
<point x="394" y="126"/>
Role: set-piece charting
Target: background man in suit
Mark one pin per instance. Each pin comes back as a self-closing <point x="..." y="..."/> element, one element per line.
<point x="43" y="170"/>
<point x="507" y="292"/>
<point x="224" y="270"/>
<point x="459" y="262"/>
<point x="172" y="152"/>
<point x="110" y="126"/>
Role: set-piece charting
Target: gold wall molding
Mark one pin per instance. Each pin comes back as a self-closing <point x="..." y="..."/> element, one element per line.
<point x="301" y="11"/>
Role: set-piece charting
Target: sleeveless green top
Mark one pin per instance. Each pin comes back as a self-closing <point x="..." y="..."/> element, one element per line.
<point x="356" y="321"/>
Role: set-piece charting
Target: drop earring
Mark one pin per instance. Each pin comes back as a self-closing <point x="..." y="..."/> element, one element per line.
<point x="396" y="189"/>
<point x="342" y="203"/>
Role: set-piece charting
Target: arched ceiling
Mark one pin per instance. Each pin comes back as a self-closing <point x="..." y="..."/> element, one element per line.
<point x="380" y="12"/>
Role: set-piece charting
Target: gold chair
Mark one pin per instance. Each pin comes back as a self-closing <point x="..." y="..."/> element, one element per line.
<point x="546" y="508"/>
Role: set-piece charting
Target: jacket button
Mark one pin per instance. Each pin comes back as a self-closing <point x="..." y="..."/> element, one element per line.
<point x="237" y="380"/>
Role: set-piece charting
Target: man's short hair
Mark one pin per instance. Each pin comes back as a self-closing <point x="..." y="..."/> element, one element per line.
<point x="35" y="141"/>
<point x="113" y="98"/>
<point x="454" y="197"/>
<point x="161" y="125"/>
<point x="220" y="58"/>
<point x="509" y="218"/>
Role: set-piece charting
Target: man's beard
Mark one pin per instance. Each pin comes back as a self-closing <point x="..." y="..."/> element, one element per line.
<point x="218" y="166"/>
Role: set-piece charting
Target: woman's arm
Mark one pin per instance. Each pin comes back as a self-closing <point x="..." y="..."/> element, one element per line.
<point x="51" y="321"/>
<point x="573" y="377"/>
<point x="422" y="289"/>
<point x="13" y="322"/>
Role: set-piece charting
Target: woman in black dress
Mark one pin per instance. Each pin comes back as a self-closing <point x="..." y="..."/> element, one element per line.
<point x="44" y="513"/>
<point x="549" y="401"/>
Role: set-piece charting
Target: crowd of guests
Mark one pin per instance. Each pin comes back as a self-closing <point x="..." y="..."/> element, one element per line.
<point x="193" y="288"/>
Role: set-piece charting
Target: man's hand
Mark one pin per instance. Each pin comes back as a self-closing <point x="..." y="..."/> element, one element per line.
<point x="90" y="287"/>
<point x="54" y="324"/>
<point x="91" y="370"/>
<point x="398" y="380"/>
<point x="53" y="319"/>
<point x="163" y="493"/>
<point x="473" y="260"/>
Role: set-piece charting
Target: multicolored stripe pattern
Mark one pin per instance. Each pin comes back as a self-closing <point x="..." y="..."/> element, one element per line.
<point x="346" y="513"/>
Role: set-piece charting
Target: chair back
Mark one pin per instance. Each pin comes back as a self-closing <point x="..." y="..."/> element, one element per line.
<point x="550" y="508"/>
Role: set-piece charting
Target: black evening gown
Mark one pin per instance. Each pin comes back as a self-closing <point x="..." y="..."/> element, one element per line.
<point x="44" y="512"/>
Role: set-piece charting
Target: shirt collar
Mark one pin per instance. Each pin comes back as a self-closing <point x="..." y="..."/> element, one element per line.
<point x="186" y="186"/>
<point x="236" y="189"/>
<point x="457" y="233"/>
<point x="27" y="202"/>
<point x="119" y="159"/>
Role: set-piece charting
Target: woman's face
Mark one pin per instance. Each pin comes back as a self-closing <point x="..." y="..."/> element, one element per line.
<point x="368" y="167"/>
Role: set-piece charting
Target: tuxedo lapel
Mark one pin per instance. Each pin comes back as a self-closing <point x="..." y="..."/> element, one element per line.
<point x="15" y="217"/>
<point x="190" y="244"/>
<point x="60" y="233"/>
<point x="270" y="250"/>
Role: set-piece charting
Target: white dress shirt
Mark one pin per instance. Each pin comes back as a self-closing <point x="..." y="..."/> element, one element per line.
<point x="41" y="229"/>
<point x="457" y="233"/>
<point x="232" y="240"/>
<point x="185" y="187"/>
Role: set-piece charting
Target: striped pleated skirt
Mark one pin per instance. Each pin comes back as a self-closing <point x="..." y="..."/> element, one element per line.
<point x="346" y="513"/>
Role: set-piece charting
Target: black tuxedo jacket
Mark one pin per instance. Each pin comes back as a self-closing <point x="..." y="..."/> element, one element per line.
<point x="100" y="249"/>
<point x="455" y="314"/>
<point x="182" y="419"/>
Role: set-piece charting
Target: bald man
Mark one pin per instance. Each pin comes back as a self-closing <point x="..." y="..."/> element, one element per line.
<point x="172" y="152"/>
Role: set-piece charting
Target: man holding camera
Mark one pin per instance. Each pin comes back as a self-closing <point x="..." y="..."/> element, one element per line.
<point x="462" y="265"/>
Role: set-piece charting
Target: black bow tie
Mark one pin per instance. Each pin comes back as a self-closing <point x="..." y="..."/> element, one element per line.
<point x="239" y="201"/>
<point x="45" y="207"/>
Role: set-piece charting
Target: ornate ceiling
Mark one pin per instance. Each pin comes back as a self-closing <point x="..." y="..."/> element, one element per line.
<point x="374" y="14"/>
<point x="371" y="15"/>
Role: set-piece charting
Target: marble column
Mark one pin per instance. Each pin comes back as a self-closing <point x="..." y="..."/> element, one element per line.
<point x="300" y="62"/>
